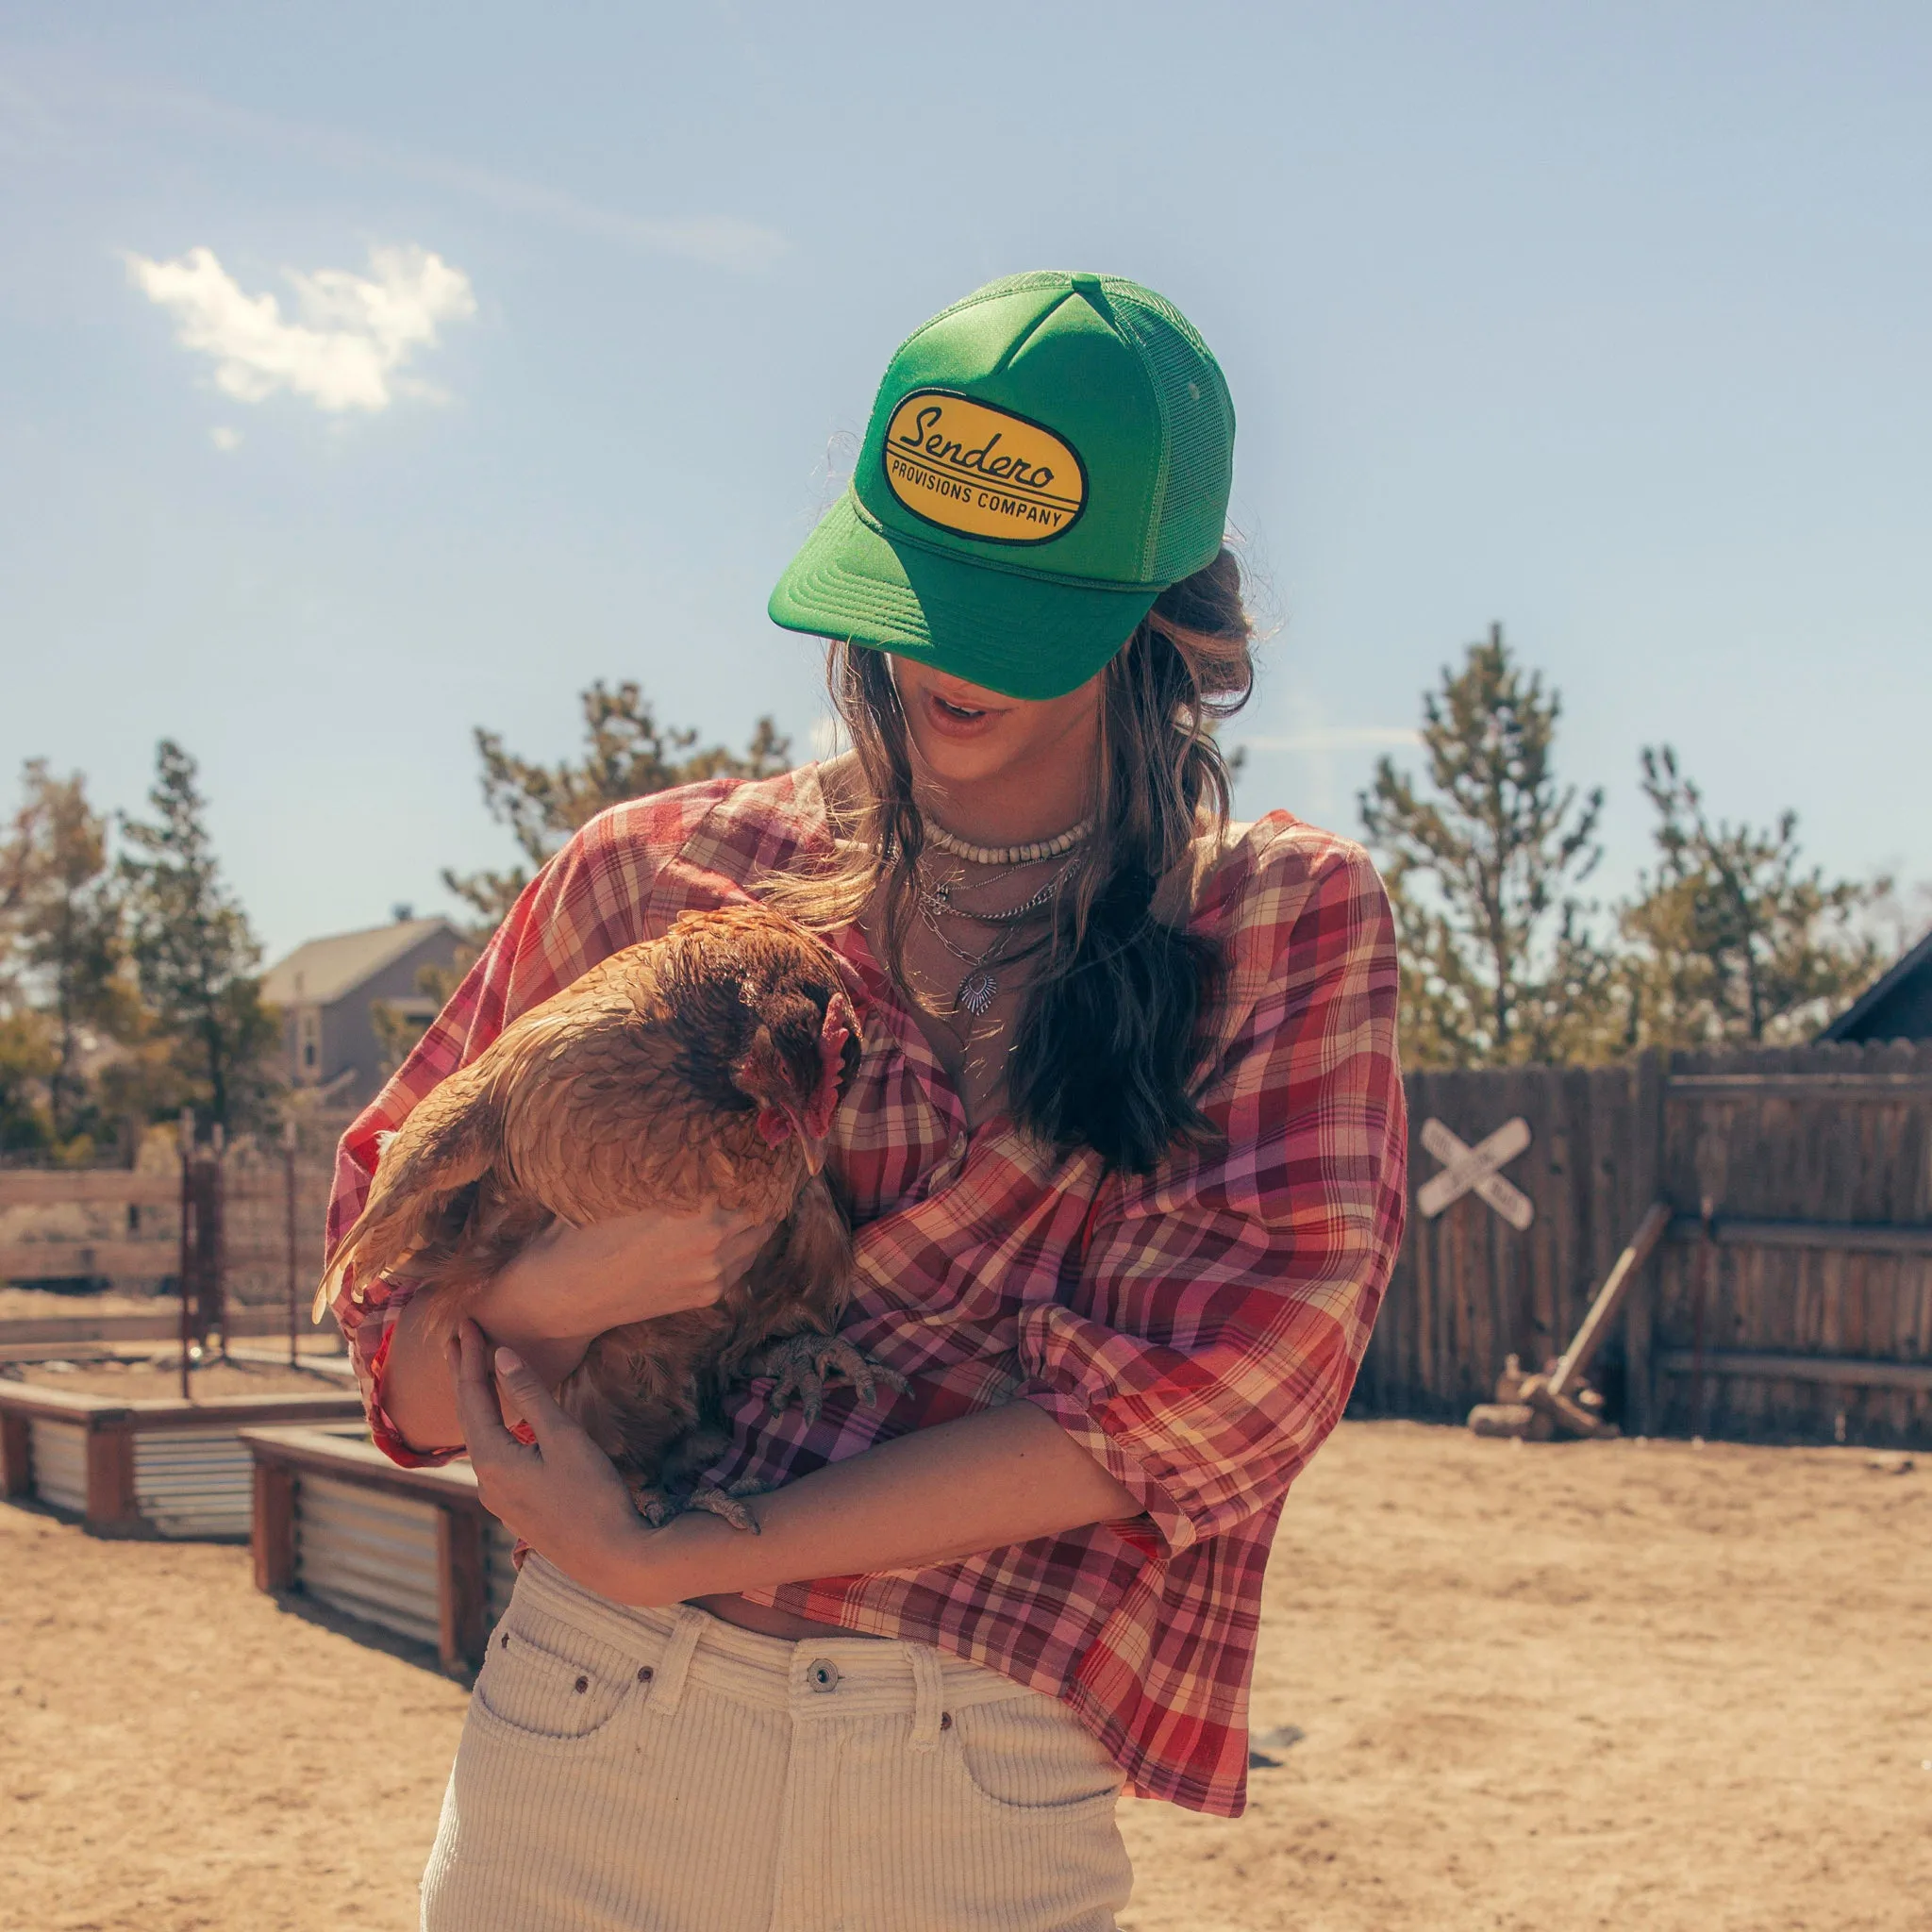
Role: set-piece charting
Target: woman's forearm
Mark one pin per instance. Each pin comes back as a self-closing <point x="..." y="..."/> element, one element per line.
<point x="1008" y="1475"/>
<point x="567" y="1288"/>
<point x="418" y="1390"/>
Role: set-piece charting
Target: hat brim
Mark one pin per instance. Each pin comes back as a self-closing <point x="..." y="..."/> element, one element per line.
<point x="1020" y="636"/>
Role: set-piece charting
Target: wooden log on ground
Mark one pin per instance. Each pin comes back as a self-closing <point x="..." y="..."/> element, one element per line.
<point x="1510" y="1419"/>
<point x="1568" y="1418"/>
<point x="1609" y="1304"/>
<point x="1509" y="1383"/>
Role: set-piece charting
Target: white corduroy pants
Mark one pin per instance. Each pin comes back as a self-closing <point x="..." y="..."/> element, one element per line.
<point x="659" y="1771"/>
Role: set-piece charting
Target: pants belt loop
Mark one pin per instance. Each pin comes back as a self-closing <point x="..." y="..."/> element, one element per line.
<point x="929" y="1695"/>
<point x="667" y="1680"/>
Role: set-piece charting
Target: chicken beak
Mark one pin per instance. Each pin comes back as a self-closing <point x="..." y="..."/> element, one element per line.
<point x="811" y="1145"/>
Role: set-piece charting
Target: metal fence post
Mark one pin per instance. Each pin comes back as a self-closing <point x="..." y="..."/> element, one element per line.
<point x="184" y="1280"/>
<point x="289" y="1231"/>
<point x="214" y="1307"/>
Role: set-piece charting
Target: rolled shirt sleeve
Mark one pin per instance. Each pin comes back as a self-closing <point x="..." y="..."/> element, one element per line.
<point x="1226" y="1301"/>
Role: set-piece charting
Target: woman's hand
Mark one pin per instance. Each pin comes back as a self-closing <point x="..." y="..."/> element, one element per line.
<point x="561" y="1494"/>
<point x="1005" y="1475"/>
<point x="557" y="1296"/>
<point x="575" y="1283"/>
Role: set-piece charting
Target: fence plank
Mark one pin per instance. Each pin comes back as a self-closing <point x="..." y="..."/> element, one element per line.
<point x="1831" y="1237"/>
<point x="116" y="1186"/>
<point x="89" y="1188"/>
<point x="141" y="1260"/>
<point x="1786" y="1366"/>
<point x="1818" y="1165"/>
<point x="1808" y="1086"/>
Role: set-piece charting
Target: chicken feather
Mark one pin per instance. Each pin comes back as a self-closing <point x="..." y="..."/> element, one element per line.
<point x="693" y="1070"/>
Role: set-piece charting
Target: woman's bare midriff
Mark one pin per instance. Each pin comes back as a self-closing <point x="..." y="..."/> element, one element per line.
<point x="766" y="1622"/>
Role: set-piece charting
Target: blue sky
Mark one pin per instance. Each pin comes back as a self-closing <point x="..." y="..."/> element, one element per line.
<point x="1608" y="321"/>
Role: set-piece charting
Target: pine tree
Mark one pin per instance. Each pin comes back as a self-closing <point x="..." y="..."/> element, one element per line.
<point x="1499" y="964"/>
<point x="628" y="754"/>
<point x="57" y="895"/>
<point x="194" y="952"/>
<point x="1733" y="939"/>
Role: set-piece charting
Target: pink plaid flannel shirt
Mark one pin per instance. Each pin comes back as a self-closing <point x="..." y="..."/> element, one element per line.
<point x="1197" y="1330"/>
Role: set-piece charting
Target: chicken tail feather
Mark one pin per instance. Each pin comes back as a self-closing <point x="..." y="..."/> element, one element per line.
<point x="419" y="1176"/>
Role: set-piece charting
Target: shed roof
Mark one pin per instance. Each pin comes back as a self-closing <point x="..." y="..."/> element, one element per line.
<point x="320" y="971"/>
<point x="1897" y="1004"/>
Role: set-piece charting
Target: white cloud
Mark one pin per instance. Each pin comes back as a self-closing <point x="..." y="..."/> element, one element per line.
<point x="1338" y="738"/>
<point x="225" y="438"/>
<point x="347" y="350"/>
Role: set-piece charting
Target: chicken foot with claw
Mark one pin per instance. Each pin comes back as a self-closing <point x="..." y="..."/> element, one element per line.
<point x="805" y="1365"/>
<point x="657" y="1507"/>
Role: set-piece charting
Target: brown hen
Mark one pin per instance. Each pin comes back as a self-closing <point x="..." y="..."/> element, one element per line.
<point x="696" y="1069"/>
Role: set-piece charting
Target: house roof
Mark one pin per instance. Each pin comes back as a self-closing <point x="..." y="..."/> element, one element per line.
<point x="1851" y="1024"/>
<point x="323" y="970"/>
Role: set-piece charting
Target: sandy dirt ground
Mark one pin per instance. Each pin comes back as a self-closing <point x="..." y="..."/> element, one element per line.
<point x="1588" y="1686"/>
<point x="157" y="1378"/>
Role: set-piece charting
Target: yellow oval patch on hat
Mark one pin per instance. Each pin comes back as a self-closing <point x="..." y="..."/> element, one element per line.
<point x="983" y="471"/>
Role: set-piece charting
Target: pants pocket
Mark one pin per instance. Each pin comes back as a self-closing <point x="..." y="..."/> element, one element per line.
<point x="1030" y="1754"/>
<point x="549" y="1683"/>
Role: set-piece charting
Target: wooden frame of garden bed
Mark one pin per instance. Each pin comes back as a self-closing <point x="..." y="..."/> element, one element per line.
<point x="108" y="1498"/>
<point x="471" y="1547"/>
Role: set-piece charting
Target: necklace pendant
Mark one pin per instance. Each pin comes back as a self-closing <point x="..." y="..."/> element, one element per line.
<point x="978" y="992"/>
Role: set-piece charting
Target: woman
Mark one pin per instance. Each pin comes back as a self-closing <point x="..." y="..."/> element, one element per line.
<point x="1123" y="1156"/>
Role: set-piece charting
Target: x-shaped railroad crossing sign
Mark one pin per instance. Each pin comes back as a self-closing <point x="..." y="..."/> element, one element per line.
<point x="1466" y="1168"/>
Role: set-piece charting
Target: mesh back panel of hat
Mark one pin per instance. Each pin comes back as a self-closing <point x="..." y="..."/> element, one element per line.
<point x="1199" y="432"/>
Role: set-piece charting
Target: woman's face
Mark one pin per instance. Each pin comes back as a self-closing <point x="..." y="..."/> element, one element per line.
<point x="964" y="734"/>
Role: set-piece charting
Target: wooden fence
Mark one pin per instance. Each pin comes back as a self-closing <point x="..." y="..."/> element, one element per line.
<point x="1793" y="1296"/>
<point x="241" y="1234"/>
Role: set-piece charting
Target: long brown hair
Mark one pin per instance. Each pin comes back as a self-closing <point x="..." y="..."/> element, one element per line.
<point x="1105" y="1042"/>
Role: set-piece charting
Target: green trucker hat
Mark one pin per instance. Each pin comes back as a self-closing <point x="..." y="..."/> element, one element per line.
<point x="1043" y="460"/>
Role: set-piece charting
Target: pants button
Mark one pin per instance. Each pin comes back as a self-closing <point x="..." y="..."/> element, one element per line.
<point x="822" y="1673"/>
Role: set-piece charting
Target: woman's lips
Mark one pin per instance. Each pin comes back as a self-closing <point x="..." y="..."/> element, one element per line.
<point x="958" y="721"/>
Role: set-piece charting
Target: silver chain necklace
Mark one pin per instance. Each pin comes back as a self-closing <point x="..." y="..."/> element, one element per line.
<point x="938" y="899"/>
<point x="981" y="985"/>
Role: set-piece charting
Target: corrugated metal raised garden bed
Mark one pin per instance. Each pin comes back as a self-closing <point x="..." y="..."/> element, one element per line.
<point x="145" y="1468"/>
<point x="412" y="1551"/>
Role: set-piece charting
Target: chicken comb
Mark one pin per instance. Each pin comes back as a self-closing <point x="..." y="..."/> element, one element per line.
<point x="836" y="1065"/>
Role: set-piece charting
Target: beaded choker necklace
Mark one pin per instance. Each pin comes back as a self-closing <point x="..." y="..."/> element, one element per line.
<point x="940" y="840"/>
